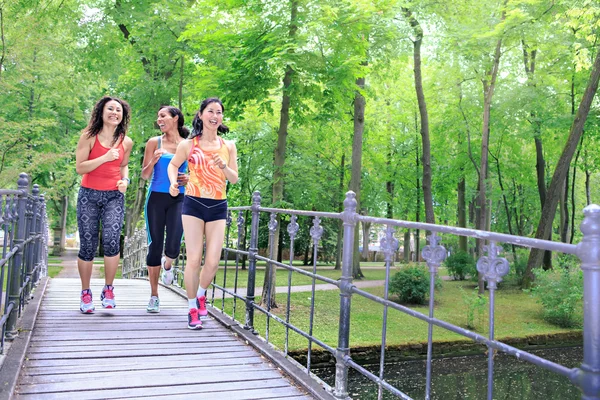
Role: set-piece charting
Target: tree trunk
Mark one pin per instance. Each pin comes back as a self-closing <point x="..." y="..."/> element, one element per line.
<point x="572" y="224"/>
<point x="462" y="213"/>
<point x="488" y="93"/>
<point x="338" y="246"/>
<point x="426" y="159"/>
<point x="562" y="168"/>
<point x="355" y="176"/>
<point x="506" y="207"/>
<point x="279" y="158"/>
<point x="366" y="228"/>
<point x="418" y="205"/>
<point x="564" y="210"/>
<point x="407" y="246"/>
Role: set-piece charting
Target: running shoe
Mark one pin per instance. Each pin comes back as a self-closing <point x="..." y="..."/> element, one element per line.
<point x="153" y="305"/>
<point x="167" y="277"/>
<point x="201" y="303"/>
<point x="193" y="320"/>
<point x="86" y="305"/>
<point x="108" y="297"/>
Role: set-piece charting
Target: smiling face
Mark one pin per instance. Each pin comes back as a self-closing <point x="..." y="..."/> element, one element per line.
<point x="112" y="113"/>
<point x="166" y="122"/>
<point x="212" y="116"/>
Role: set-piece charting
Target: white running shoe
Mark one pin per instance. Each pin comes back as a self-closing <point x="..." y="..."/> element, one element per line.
<point x="167" y="276"/>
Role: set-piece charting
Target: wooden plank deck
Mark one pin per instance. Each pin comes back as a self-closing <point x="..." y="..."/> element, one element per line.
<point x="128" y="353"/>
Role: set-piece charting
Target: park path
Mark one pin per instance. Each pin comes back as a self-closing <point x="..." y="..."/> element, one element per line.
<point x="68" y="262"/>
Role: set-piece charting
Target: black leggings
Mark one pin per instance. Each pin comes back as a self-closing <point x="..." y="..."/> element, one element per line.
<point x="163" y="210"/>
<point x="94" y="206"/>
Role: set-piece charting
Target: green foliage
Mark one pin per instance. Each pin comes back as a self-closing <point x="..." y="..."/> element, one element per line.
<point x="460" y="265"/>
<point x="475" y="307"/>
<point x="410" y="284"/>
<point x="560" y="292"/>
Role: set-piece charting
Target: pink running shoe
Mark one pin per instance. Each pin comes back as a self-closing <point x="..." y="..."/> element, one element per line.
<point x="86" y="305"/>
<point x="193" y="320"/>
<point x="108" y="297"/>
<point x="201" y="303"/>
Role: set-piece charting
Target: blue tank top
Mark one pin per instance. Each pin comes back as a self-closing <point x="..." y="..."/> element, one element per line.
<point x="160" y="179"/>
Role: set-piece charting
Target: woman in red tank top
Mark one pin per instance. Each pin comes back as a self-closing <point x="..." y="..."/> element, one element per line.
<point x="102" y="155"/>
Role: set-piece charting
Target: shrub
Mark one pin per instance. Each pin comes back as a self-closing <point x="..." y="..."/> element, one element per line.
<point x="461" y="264"/>
<point x="475" y="306"/>
<point x="560" y="292"/>
<point x="410" y="284"/>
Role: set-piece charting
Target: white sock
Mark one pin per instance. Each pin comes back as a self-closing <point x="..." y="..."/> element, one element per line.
<point x="201" y="291"/>
<point x="192" y="304"/>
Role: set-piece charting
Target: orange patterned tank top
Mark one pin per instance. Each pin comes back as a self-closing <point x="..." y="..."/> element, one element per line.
<point x="206" y="179"/>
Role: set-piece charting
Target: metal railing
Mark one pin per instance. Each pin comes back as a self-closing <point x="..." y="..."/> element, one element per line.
<point x="24" y="229"/>
<point x="492" y="267"/>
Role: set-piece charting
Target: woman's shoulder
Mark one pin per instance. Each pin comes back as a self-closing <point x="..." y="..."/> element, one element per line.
<point x="127" y="142"/>
<point x="230" y="144"/>
<point x="152" y="142"/>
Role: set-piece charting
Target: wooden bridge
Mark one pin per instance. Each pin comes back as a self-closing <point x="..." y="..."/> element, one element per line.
<point x="128" y="353"/>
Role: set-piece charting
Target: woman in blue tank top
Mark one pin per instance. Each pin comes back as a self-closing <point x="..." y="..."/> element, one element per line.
<point x="163" y="211"/>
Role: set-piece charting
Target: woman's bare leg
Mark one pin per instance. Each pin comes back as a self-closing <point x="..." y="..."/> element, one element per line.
<point x="194" y="237"/>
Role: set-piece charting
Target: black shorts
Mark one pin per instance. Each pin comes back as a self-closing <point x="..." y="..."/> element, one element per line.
<point x="207" y="210"/>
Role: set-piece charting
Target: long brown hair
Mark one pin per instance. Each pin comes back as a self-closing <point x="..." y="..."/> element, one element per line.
<point x="96" y="123"/>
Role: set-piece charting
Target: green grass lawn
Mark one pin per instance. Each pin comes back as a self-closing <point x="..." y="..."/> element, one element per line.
<point x="517" y="315"/>
<point x="119" y="274"/>
<point x="297" y="278"/>
<point x="53" y="271"/>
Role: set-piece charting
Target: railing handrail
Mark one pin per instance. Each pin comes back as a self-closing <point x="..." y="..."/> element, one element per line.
<point x="24" y="256"/>
<point x="492" y="266"/>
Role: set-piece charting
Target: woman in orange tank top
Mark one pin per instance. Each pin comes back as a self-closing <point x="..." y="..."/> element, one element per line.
<point x="101" y="157"/>
<point x="212" y="162"/>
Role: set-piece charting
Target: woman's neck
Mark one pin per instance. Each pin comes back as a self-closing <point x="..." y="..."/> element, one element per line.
<point x="209" y="136"/>
<point x="107" y="132"/>
<point x="172" y="137"/>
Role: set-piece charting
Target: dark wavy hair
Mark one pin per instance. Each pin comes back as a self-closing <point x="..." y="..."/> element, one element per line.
<point x="174" y="111"/>
<point x="96" y="123"/>
<point x="197" y="123"/>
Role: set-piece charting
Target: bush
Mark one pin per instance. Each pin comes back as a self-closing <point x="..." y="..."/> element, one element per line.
<point x="411" y="285"/>
<point x="475" y="307"/>
<point x="461" y="264"/>
<point x="560" y="292"/>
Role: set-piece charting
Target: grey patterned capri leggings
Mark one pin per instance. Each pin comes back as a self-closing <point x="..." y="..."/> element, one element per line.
<point x="94" y="206"/>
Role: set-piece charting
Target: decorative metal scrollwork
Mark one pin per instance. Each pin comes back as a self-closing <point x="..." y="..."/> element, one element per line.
<point x="240" y="223"/>
<point x="389" y="244"/>
<point x="317" y="230"/>
<point x="293" y="227"/>
<point x="228" y="220"/>
<point x="434" y="253"/>
<point x="491" y="266"/>
<point x="273" y="223"/>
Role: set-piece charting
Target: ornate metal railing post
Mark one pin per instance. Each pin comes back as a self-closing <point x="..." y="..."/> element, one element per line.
<point x="588" y="251"/>
<point x="270" y="271"/>
<point x="31" y="247"/>
<point x="433" y="254"/>
<point x="349" y="217"/>
<point x="493" y="268"/>
<point x="252" y="251"/>
<point x="37" y="248"/>
<point x="14" y="287"/>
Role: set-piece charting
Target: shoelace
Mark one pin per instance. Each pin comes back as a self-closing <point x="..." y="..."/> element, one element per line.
<point x="202" y="301"/>
<point x="108" y="294"/>
<point x="87" y="298"/>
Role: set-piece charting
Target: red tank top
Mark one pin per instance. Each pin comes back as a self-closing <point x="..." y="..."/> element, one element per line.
<point x="104" y="177"/>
